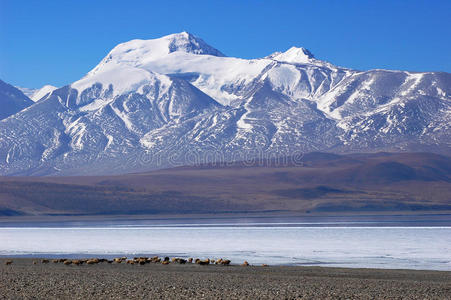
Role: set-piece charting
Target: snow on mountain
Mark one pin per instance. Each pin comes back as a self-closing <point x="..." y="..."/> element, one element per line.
<point x="38" y="94"/>
<point x="176" y="100"/>
<point x="187" y="57"/>
<point x="43" y="92"/>
<point x="294" y="55"/>
<point x="12" y="100"/>
<point x="136" y="53"/>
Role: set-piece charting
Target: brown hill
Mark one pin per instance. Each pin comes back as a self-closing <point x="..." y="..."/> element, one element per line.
<point x="318" y="183"/>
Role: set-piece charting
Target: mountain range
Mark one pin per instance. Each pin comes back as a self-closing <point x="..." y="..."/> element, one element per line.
<point x="176" y="100"/>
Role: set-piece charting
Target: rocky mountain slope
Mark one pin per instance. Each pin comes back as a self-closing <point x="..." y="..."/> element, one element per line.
<point x="176" y="100"/>
<point x="12" y="100"/>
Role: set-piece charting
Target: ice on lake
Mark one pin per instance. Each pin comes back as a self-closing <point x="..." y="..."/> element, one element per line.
<point x="278" y="244"/>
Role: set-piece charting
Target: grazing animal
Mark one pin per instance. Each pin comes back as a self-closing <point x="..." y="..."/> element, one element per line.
<point x="45" y="261"/>
<point x="264" y="265"/>
<point x="35" y="262"/>
<point x="117" y="260"/>
<point x="55" y="261"/>
<point x="225" y="262"/>
<point x="68" y="262"/>
<point x="166" y="258"/>
<point x="179" y="261"/>
<point x="219" y="261"/>
<point x="8" y="262"/>
<point x="203" y="262"/>
<point x="76" y="262"/>
<point x="245" y="264"/>
<point x="190" y="260"/>
<point x="165" y="262"/>
<point x="154" y="259"/>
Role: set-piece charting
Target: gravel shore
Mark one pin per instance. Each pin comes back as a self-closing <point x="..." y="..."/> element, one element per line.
<point x="24" y="280"/>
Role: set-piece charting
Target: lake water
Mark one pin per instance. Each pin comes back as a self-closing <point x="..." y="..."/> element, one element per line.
<point x="339" y="244"/>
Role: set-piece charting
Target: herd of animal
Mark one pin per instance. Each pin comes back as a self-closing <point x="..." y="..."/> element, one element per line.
<point x="136" y="260"/>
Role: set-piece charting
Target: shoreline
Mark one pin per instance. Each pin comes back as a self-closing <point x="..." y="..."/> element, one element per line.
<point x="23" y="279"/>
<point x="234" y="262"/>
<point x="396" y="217"/>
<point x="38" y="259"/>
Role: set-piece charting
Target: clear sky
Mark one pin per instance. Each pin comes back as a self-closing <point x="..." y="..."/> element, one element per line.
<point x="57" y="42"/>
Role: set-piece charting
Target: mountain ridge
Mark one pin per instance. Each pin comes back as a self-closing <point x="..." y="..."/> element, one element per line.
<point x="38" y="94"/>
<point x="12" y="100"/>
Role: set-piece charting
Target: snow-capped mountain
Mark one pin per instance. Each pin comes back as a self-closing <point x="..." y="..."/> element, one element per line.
<point x="38" y="94"/>
<point x="176" y="100"/>
<point x="12" y="100"/>
<point x="43" y="93"/>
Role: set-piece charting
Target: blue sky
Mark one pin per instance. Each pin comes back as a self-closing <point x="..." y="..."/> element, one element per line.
<point x="57" y="42"/>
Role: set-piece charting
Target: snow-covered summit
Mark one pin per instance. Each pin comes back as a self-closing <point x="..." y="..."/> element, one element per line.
<point x="139" y="52"/>
<point x="38" y="94"/>
<point x="189" y="43"/>
<point x="45" y="91"/>
<point x="130" y="65"/>
<point x="294" y="55"/>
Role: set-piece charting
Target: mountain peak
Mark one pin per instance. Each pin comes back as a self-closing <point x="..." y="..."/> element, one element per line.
<point x="187" y="42"/>
<point x="184" y="35"/>
<point x="294" y="55"/>
<point x="139" y="52"/>
<point x="44" y="91"/>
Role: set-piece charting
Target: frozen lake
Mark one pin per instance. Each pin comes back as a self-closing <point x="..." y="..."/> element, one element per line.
<point x="283" y="243"/>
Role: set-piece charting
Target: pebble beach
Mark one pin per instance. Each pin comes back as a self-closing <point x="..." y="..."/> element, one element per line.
<point x="26" y="278"/>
